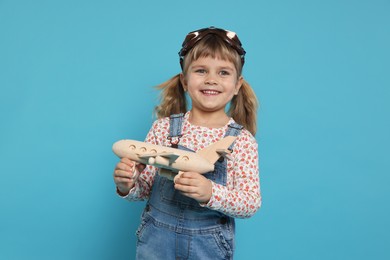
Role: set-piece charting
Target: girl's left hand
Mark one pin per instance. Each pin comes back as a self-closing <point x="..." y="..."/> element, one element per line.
<point x="194" y="185"/>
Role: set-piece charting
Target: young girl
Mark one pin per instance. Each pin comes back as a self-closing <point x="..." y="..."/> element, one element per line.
<point x="192" y="217"/>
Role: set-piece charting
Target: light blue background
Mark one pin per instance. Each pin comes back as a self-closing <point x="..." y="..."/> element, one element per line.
<point x="75" y="76"/>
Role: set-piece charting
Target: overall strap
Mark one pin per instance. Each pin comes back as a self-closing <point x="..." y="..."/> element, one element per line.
<point x="175" y="127"/>
<point x="234" y="129"/>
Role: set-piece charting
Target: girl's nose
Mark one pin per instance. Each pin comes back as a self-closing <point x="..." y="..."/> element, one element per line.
<point x="210" y="80"/>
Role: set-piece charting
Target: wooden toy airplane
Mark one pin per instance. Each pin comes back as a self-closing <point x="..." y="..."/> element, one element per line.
<point x="172" y="160"/>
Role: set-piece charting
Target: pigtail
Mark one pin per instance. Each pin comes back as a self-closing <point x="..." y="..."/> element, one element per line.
<point x="243" y="108"/>
<point x="172" y="98"/>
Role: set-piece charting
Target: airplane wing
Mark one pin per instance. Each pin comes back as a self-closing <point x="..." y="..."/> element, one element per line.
<point x="225" y="153"/>
<point x="170" y="156"/>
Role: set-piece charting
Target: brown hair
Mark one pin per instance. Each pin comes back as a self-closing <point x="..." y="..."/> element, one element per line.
<point x="243" y="106"/>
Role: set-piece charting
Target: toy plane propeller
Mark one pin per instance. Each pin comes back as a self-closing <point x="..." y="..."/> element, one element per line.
<point x="172" y="160"/>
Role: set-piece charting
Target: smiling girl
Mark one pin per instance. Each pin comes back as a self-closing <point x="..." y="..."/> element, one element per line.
<point x="192" y="217"/>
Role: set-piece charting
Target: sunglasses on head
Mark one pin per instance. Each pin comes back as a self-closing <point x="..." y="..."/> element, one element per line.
<point x="194" y="37"/>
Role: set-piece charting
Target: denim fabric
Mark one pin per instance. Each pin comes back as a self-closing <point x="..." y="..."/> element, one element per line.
<point x="174" y="226"/>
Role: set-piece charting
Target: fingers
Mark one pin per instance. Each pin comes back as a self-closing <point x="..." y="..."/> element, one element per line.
<point x="125" y="166"/>
<point x="177" y="176"/>
<point x="188" y="182"/>
<point x="126" y="173"/>
<point x="126" y="162"/>
<point x="188" y="178"/>
<point x="126" y="170"/>
<point x="194" y="185"/>
<point x="123" y="172"/>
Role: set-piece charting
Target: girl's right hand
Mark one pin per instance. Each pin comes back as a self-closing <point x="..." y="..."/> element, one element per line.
<point x="126" y="174"/>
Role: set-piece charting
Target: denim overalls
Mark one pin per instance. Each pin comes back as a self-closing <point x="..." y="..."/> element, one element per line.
<point x="174" y="226"/>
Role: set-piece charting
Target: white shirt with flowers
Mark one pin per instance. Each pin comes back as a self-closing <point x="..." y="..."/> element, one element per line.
<point x="241" y="196"/>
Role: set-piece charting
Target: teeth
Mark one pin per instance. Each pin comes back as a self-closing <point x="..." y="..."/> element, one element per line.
<point x="210" y="92"/>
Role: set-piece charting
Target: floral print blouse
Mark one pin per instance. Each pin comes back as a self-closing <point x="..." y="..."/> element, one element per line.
<point x="241" y="196"/>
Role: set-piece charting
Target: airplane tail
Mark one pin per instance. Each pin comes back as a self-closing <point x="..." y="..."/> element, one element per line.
<point x="220" y="148"/>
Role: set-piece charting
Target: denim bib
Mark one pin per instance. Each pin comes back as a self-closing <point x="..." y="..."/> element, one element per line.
<point x="184" y="220"/>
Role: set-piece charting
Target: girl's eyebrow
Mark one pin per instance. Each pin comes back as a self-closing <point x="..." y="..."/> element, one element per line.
<point x="226" y="68"/>
<point x="198" y="65"/>
<point x="219" y="68"/>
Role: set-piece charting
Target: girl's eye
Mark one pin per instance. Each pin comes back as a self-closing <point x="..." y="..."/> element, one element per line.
<point x="202" y="71"/>
<point x="224" y="73"/>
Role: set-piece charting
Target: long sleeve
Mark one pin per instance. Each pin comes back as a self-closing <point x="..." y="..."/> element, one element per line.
<point x="241" y="196"/>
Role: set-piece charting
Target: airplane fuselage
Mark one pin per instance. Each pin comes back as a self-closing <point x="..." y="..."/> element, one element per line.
<point x="162" y="157"/>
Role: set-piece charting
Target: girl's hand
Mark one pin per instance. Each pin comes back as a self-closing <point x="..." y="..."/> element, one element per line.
<point x="126" y="174"/>
<point x="194" y="185"/>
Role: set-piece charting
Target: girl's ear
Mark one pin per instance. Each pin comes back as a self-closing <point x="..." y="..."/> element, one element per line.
<point x="183" y="81"/>
<point x="239" y="84"/>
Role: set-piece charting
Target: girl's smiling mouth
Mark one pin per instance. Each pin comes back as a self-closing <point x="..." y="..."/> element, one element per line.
<point x="210" y="92"/>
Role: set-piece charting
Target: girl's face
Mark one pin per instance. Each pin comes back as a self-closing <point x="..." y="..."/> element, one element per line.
<point x="211" y="83"/>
